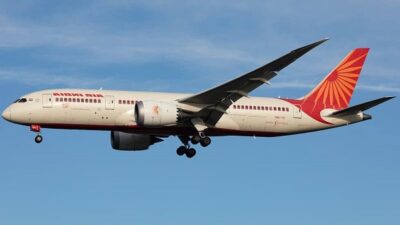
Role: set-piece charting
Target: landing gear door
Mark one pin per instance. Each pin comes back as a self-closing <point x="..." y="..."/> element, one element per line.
<point x="47" y="100"/>
<point x="110" y="102"/>
<point x="297" y="111"/>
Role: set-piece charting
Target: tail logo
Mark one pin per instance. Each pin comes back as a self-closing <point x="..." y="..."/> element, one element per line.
<point x="337" y="89"/>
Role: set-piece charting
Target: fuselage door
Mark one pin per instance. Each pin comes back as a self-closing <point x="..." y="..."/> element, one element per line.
<point x="110" y="102"/>
<point x="47" y="100"/>
<point x="297" y="111"/>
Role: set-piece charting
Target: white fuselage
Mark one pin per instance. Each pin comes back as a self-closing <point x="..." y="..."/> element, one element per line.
<point x="114" y="110"/>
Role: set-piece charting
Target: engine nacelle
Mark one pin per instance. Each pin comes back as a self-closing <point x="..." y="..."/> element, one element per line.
<point x="155" y="114"/>
<point x="132" y="142"/>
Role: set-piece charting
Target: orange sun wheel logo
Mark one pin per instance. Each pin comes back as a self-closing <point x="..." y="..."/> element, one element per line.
<point x="337" y="89"/>
<point x="156" y="109"/>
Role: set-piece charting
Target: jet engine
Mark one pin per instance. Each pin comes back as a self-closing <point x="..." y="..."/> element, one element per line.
<point x="156" y="114"/>
<point x="132" y="142"/>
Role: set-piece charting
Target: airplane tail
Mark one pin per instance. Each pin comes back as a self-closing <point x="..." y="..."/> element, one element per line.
<point x="336" y="89"/>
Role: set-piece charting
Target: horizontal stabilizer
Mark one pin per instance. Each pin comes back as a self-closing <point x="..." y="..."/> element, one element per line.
<point x="359" y="108"/>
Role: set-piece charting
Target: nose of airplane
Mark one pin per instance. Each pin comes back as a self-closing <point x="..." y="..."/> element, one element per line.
<point x="6" y="114"/>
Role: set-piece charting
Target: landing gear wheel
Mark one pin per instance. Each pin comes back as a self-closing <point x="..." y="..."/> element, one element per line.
<point x="190" y="152"/>
<point x="38" y="139"/>
<point x="195" y="139"/>
<point x="205" y="141"/>
<point x="181" y="150"/>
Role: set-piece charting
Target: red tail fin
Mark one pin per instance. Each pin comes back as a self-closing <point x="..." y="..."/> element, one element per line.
<point x="336" y="89"/>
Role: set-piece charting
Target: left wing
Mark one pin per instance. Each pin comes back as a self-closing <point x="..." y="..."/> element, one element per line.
<point x="218" y="99"/>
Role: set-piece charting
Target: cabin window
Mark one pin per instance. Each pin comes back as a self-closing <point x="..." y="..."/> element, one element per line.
<point x="69" y="99"/>
<point x="61" y="99"/>
<point x="279" y="108"/>
<point x="98" y="100"/>
<point x="56" y="99"/>
<point x="73" y="100"/>
<point x="258" y="107"/>
<point x="90" y="100"/>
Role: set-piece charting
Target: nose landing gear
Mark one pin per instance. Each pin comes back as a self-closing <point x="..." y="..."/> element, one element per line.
<point x="38" y="138"/>
<point x="36" y="129"/>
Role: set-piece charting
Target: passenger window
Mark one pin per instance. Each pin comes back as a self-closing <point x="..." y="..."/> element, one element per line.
<point x="61" y="99"/>
<point x="98" y="100"/>
<point x="258" y="107"/>
<point x="90" y="100"/>
<point x="86" y="100"/>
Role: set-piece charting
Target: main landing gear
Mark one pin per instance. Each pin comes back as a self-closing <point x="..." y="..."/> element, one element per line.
<point x="36" y="129"/>
<point x="195" y="139"/>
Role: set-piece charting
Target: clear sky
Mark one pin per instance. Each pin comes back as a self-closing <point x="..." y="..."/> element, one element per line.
<point x="349" y="175"/>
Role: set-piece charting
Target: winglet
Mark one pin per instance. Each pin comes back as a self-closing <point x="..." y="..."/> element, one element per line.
<point x="295" y="54"/>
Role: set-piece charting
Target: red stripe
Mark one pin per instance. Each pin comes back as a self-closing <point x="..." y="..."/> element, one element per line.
<point x="163" y="130"/>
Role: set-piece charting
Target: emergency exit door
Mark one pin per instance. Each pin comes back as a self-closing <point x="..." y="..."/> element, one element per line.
<point x="47" y="100"/>
<point x="297" y="112"/>
<point x="110" y="102"/>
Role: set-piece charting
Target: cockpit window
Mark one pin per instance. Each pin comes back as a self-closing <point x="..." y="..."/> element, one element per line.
<point x="22" y="100"/>
<point x="17" y="100"/>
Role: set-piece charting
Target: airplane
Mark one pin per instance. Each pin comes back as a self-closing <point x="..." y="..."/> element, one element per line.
<point x="137" y="120"/>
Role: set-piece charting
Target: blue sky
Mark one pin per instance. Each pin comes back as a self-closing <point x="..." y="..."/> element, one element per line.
<point x="348" y="175"/>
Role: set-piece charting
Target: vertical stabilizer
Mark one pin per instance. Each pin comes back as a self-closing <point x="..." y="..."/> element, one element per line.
<point x="336" y="89"/>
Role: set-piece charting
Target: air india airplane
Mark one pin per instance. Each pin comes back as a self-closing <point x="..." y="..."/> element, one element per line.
<point x="137" y="120"/>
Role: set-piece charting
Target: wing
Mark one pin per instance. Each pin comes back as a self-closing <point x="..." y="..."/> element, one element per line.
<point x="218" y="99"/>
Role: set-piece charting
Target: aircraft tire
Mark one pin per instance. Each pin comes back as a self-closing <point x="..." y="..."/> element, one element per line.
<point x="38" y="139"/>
